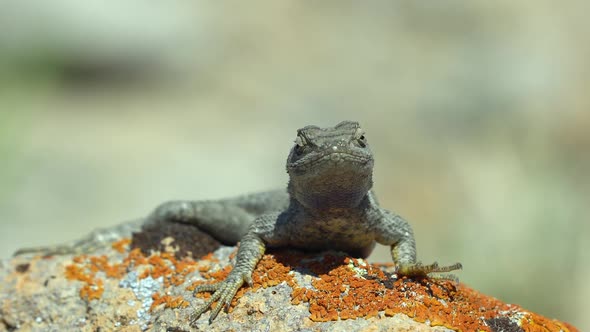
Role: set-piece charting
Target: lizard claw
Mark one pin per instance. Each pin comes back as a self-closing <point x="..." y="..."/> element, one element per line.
<point x="223" y="293"/>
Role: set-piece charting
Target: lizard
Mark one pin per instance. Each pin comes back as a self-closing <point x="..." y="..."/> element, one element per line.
<point x="328" y="205"/>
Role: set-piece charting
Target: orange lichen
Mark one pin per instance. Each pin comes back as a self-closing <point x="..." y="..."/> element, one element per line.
<point x="167" y="266"/>
<point x="79" y="259"/>
<point x="121" y="245"/>
<point x="343" y="288"/>
<point x="85" y="269"/>
<point x="210" y="257"/>
<point x="135" y="257"/>
<point x="341" y="293"/>
<point x="346" y="288"/>
<point x="92" y="290"/>
<point x="363" y="290"/>
<point x="268" y="273"/>
<point x="536" y="323"/>
<point x="168" y="301"/>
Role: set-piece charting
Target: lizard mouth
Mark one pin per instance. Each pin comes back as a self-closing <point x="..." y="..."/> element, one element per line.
<point x="333" y="158"/>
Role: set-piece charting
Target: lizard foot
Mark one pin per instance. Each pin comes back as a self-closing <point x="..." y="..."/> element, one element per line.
<point x="223" y="293"/>
<point x="429" y="271"/>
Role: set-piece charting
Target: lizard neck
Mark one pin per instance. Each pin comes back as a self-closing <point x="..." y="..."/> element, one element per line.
<point x="331" y="193"/>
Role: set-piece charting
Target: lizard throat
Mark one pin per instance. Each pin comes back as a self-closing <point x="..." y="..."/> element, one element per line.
<point x="331" y="185"/>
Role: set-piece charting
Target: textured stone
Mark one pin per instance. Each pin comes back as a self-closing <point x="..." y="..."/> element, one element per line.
<point x="123" y="289"/>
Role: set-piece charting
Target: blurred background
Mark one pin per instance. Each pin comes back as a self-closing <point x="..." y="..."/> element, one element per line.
<point x="477" y="113"/>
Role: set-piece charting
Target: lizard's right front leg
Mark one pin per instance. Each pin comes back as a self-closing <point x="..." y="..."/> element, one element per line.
<point x="251" y="250"/>
<point x="266" y="230"/>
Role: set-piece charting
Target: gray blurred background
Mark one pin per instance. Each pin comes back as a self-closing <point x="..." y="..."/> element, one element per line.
<point x="477" y="113"/>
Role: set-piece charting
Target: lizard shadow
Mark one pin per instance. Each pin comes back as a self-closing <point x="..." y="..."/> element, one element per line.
<point x="312" y="263"/>
<point x="328" y="265"/>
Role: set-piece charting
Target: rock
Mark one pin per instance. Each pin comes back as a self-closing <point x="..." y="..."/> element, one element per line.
<point x="125" y="287"/>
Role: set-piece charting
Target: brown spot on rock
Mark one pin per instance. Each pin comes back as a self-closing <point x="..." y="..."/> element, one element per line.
<point x="22" y="268"/>
<point x="183" y="239"/>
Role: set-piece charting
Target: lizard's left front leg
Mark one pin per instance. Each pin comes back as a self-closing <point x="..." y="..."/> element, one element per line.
<point x="252" y="247"/>
<point x="393" y="230"/>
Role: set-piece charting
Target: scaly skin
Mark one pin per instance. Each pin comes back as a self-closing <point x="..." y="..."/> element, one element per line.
<point x="328" y="205"/>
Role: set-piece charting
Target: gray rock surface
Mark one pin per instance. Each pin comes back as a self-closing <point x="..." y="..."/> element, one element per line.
<point x="35" y="295"/>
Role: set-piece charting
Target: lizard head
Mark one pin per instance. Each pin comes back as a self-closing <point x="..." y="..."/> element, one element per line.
<point x="330" y="167"/>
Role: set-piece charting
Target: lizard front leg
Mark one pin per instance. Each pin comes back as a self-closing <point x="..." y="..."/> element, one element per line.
<point x="396" y="232"/>
<point x="252" y="247"/>
<point x="251" y="250"/>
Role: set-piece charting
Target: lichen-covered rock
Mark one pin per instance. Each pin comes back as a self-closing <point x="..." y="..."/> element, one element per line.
<point x="124" y="289"/>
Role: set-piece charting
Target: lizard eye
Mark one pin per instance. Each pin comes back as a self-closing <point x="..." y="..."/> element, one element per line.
<point x="362" y="141"/>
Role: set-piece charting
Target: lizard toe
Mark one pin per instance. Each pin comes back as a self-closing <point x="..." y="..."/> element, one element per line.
<point x="224" y="293"/>
<point x="227" y="292"/>
<point x="200" y="310"/>
<point x="206" y="288"/>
